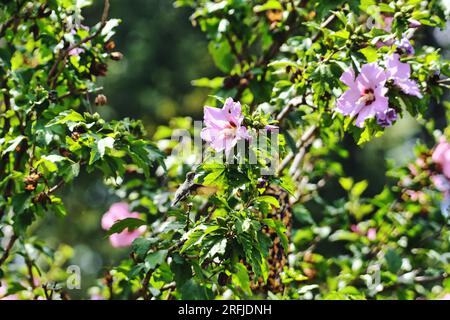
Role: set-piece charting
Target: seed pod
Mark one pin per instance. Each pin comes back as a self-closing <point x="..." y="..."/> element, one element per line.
<point x="110" y="45"/>
<point x="243" y="82"/>
<point x="42" y="198"/>
<point x="223" y="279"/>
<point x="274" y="15"/>
<point x="116" y="56"/>
<point x="101" y="100"/>
<point x="75" y="135"/>
<point x="32" y="179"/>
<point x="30" y="187"/>
<point x="310" y="272"/>
<point x="64" y="152"/>
<point x="231" y="81"/>
<point x="99" y="68"/>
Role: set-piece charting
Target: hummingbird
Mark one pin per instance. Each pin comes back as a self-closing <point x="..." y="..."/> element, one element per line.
<point x="188" y="187"/>
<point x="185" y="189"/>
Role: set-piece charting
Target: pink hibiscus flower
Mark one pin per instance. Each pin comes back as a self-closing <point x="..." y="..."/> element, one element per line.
<point x="224" y="126"/>
<point x="76" y="51"/>
<point x="4" y="290"/>
<point x="441" y="156"/>
<point x="119" y="211"/>
<point x="400" y="73"/>
<point x="365" y="97"/>
<point x="372" y="234"/>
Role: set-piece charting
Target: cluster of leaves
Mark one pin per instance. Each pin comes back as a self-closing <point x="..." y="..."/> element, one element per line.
<point x="49" y="132"/>
<point x="242" y="234"/>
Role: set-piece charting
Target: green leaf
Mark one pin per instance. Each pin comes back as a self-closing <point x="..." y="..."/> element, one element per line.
<point x="280" y="229"/>
<point x="99" y="149"/>
<point x="344" y="34"/>
<point x="128" y="223"/>
<point x="191" y="290"/>
<point x="215" y="177"/>
<point x="141" y="246"/>
<point x="195" y="236"/>
<point x="214" y="83"/>
<point x="269" y="5"/>
<point x="154" y="259"/>
<point x="359" y="188"/>
<point x="13" y="144"/>
<point x="370" y="53"/>
<point x="58" y="206"/>
<point x="269" y="199"/>
<point x="181" y="269"/>
<point x="65" y="117"/>
<point x="241" y="278"/>
<point x="221" y="54"/>
<point x="346" y="183"/>
<point x="393" y="260"/>
<point x="104" y="143"/>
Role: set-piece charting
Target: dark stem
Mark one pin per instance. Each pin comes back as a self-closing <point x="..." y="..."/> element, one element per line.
<point x="54" y="73"/>
<point x="8" y="248"/>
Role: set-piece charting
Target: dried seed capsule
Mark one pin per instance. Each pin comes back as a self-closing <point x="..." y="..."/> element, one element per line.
<point x="116" y="55"/>
<point x="99" y="68"/>
<point x="101" y="100"/>
<point x="110" y="45"/>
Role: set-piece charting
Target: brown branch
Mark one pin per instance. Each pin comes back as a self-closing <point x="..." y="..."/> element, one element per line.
<point x="323" y="25"/>
<point x="426" y="279"/>
<point x="11" y="20"/>
<point x="46" y="292"/>
<point x="62" y="57"/>
<point x="276" y="45"/>
<point x="31" y="280"/>
<point x="234" y="49"/>
<point x="300" y="142"/>
<point x="168" y="286"/>
<point x="145" y="283"/>
<point x="109" y="283"/>
<point x="8" y="248"/>
<point x="56" y="187"/>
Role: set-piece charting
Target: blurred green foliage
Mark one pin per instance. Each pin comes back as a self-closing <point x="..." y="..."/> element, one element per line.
<point x="343" y="238"/>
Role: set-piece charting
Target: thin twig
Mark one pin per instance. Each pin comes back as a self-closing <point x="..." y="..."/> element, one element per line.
<point x="11" y="20"/>
<point x="323" y="25"/>
<point x="8" y="248"/>
<point x="56" y="187"/>
<point x="303" y="139"/>
<point x="145" y="283"/>
<point x="53" y="74"/>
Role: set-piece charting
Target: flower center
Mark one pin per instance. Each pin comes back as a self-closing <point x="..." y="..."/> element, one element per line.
<point x="367" y="96"/>
<point x="230" y="132"/>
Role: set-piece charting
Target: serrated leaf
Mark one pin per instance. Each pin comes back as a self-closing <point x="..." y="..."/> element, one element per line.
<point x="154" y="259"/>
<point x="128" y="223"/>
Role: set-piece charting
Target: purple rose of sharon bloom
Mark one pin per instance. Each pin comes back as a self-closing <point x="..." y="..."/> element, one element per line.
<point x="224" y="126"/>
<point x="385" y="119"/>
<point x="77" y="51"/>
<point x="405" y="46"/>
<point x="365" y="96"/>
<point x="400" y="73"/>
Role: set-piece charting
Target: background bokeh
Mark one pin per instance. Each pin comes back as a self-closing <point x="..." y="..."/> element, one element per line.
<point x="163" y="53"/>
